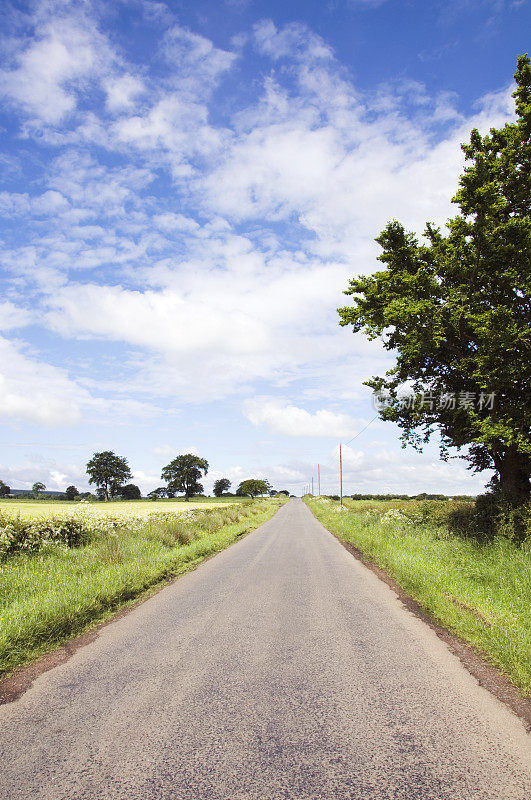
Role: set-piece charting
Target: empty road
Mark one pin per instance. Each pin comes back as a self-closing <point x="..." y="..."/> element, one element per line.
<point x="281" y="668"/>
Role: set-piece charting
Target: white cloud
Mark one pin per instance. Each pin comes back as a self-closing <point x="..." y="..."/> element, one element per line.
<point x="166" y="321"/>
<point x="12" y="316"/>
<point x="291" y="420"/>
<point x="196" y="63"/>
<point x="292" y="41"/>
<point x="48" y="69"/>
<point x="122" y="92"/>
<point x="163" y="450"/>
<point x="36" y="392"/>
<point x="33" y="391"/>
<point x="341" y="166"/>
<point x="170" y="222"/>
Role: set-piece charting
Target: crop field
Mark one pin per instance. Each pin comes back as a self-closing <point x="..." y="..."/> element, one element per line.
<point x="28" y="509"/>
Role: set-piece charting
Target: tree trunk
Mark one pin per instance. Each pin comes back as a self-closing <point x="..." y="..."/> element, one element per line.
<point x="514" y="473"/>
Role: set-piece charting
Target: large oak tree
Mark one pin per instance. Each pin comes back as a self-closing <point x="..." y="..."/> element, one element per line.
<point x="108" y="471"/>
<point x="456" y="310"/>
<point x="184" y="473"/>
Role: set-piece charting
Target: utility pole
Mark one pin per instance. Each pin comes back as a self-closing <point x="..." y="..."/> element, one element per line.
<point x="340" y="477"/>
<point x="312" y="485"/>
<point x="319" y="480"/>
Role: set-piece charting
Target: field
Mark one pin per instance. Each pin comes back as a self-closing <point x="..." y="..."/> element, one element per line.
<point x="32" y="509"/>
<point x="480" y="590"/>
<point x="62" y="573"/>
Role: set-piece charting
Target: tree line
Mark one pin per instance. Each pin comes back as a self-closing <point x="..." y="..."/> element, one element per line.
<point x="110" y="474"/>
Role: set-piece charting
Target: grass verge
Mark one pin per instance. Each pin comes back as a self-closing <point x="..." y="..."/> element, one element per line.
<point x="59" y="592"/>
<point x="479" y="591"/>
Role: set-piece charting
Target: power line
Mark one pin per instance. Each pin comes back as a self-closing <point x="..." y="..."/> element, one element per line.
<point x="363" y="429"/>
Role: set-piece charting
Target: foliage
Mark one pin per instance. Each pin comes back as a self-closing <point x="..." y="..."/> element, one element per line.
<point x="108" y="471"/>
<point x="157" y="494"/>
<point x="17" y="535"/>
<point x="253" y="487"/>
<point x="422" y="496"/>
<point x="456" y="310"/>
<point x="183" y="474"/>
<point x="492" y="517"/>
<point x="71" y="492"/>
<point x="221" y="486"/>
<point x="5" y="490"/>
<point x="37" y="488"/>
<point x="130" y="492"/>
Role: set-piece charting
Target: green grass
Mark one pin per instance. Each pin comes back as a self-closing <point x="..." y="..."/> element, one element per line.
<point x="48" y="597"/>
<point x="480" y="591"/>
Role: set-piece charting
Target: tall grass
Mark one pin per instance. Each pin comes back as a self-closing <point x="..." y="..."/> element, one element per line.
<point x="57" y="592"/>
<point x="481" y="590"/>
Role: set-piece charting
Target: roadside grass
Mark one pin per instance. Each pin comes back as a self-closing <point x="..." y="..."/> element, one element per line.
<point x="479" y="590"/>
<point x="59" y="592"/>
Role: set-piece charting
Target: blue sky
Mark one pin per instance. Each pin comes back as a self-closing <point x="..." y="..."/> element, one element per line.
<point x="186" y="190"/>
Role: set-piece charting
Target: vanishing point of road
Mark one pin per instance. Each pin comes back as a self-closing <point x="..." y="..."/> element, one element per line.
<point x="281" y="668"/>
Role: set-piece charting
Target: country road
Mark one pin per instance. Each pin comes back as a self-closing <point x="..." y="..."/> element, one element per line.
<point x="281" y="668"/>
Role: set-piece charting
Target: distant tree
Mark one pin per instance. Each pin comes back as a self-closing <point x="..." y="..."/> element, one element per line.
<point x="37" y="488"/>
<point x="284" y="491"/>
<point x="183" y="474"/>
<point x="5" y="490"/>
<point x="71" y="493"/>
<point x="156" y="494"/>
<point x="253" y="487"/>
<point x="270" y="490"/>
<point x="130" y="492"/>
<point x="108" y="471"/>
<point x="221" y="486"/>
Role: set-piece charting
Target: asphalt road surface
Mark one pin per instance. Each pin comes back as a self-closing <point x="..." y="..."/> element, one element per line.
<point x="281" y="668"/>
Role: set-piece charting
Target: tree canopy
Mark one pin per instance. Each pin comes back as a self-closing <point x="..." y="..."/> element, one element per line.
<point x="456" y="310"/>
<point x="130" y="492"/>
<point x="71" y="492"/>
<point x="5" y="490"/>
<point x="253" y="487"/>
<point x="221" y="486"/>
<point x="157" y="494"/>
<point x="108" y="472"/>
<point x="183" y="475"/>
<point x="37" y="488"/>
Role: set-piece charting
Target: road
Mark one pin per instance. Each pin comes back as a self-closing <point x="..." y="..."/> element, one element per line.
<point x="281" y="668"/>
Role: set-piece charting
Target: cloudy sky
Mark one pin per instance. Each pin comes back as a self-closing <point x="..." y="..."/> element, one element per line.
<point x="187" y="188"/>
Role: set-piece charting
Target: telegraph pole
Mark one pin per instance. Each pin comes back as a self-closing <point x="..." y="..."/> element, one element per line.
<point x="340" y="477"/>
<point x="319" y="480"/>
<point x="312" y="485"/>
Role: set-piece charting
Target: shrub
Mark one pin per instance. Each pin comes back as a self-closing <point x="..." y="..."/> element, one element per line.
<point x="29" y="536"/>
<point x="492" y="515"/>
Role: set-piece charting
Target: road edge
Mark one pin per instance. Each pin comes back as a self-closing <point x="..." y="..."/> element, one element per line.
<point x="472" y="659"/>
<point x="16" y="683"/>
